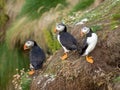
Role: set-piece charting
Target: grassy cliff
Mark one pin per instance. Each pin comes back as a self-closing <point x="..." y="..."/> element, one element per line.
<point x="37" y="20"/>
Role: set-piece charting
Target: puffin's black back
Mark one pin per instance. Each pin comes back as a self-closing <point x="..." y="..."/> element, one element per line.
<point x="37" y="57"/>
<point x="68" y="40"/>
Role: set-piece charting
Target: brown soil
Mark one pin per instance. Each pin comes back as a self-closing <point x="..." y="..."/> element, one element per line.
<point x="76" y="73"/>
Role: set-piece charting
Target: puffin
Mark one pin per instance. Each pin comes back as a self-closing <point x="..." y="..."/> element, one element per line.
<point x="89" y="43"/>
<point x="36" y="56"/>
<point x="66" y="40"/>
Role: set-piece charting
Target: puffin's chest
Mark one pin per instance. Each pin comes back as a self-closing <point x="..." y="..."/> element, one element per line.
<point x="58" y="38"/>
<point x="92" y="38"/>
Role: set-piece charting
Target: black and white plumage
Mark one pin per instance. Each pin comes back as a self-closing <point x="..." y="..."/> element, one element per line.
<point x="67" y="41"/>
<point x="90" y="41"/>
<point x="36" y="54"/>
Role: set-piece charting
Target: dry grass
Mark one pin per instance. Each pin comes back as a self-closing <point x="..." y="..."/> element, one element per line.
<point x="13" y="8"/>
<point x="23" y="29"/>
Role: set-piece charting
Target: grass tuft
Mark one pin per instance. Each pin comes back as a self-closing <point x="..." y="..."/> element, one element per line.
<point x="21" y="80"/>
<point x="116" y="16"/>
<point x="117" y="79"/>
<point x="96" y="28"/>
<point x="82" y="5"/>
<point x="35" y="8"/>
<point x="9" y="61"/>
<point x="51" y="41"/>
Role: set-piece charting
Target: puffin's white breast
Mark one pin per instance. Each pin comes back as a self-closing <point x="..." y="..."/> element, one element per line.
<point x="91" y="41"/>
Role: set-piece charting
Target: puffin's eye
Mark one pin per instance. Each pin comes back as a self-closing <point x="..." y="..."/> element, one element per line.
<point x="58" y="26"/>
<point x="28" y="43"/>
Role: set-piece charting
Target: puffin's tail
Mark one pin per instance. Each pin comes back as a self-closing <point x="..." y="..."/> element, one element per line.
<point x="78" y="48"/>
<point x="81" y="50"/>
<point x="73" y="47"/>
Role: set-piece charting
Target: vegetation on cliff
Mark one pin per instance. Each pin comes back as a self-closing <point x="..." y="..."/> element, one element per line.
<point x="77" y="74"/>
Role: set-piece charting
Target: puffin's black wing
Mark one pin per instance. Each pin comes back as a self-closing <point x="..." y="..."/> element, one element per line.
<point x="37" y="57"/>
<point x="68" y="41"/>
<point x="84" y="46"/>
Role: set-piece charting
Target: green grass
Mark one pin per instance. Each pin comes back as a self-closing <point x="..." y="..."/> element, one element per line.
<point x="114" y="24"/>
<point x="21" y="80"/>
<point x="82" y="5"/>
<point x="51" y="41"/>
<point x="117" y="79"/>
<point x="96" y="28"/>
<point x="9" y="61"/>
<point x="25" y="82"/>
<point x="116" y="16"/>
<point x="35" y="8"/>
<point x="103" y="12"/>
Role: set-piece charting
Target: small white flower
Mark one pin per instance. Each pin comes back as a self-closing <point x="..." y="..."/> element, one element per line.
<point x="46" y="75"/>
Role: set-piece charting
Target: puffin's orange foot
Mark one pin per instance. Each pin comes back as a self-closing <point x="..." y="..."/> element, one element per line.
<point x="89" y="59"/>
<point x="31" y="72"/>
<point x="65" y="56"/>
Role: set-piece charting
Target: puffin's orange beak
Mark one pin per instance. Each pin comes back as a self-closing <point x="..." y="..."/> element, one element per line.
<point x="82" y="34"/>
<point x="25" y="47"/>
<point x="55" y="30"/>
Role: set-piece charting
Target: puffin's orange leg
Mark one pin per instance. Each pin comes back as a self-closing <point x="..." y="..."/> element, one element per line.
<point x="31" y="72"/>
<point x="65" y="56"/>
<point x="89" y="59"/>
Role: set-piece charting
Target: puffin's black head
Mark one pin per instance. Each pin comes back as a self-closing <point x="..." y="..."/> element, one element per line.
<point x="85" y="30"/>
<point x="29" y="44"/>
<point x="61" y="28"/>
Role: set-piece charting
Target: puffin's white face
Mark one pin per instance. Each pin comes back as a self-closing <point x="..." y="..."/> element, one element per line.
<point x="28" y="45"/>
<point x="60" y="27"/>
<point x="85" y="30"/>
